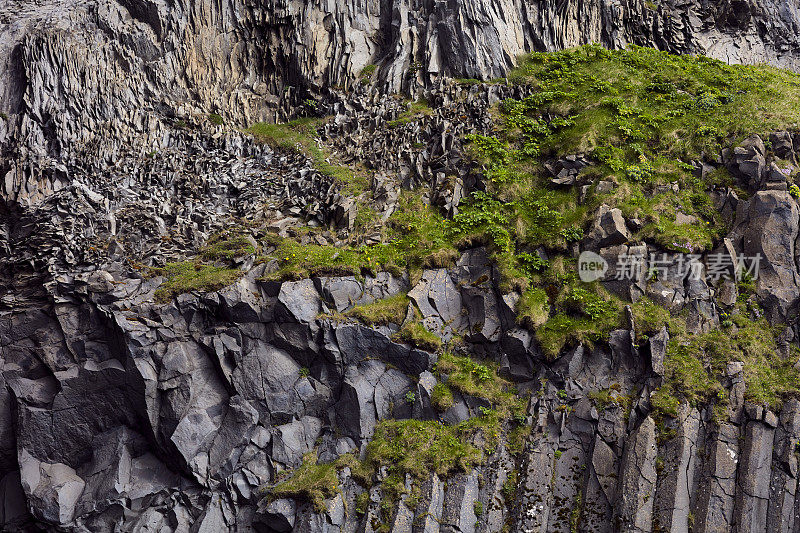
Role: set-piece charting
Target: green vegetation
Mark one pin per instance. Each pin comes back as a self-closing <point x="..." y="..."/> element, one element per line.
<point x="533" y="308"/>
<point x="226" y="247"/>
<point x="3" y="115"/>
<point x="298" y="136"/>
<point x="649" y="318"/>
<point x="367" y="72"/>
<point x="575" y="514"/>
<point x="510" y="488"/>
<point x="477" y="508"/>
<point x="442" y="397"/>
<point x="415" y="334"/>
<point x="216" y="119"/>
<point x="644" y="115"/>
<point x="191" y="276"/>
<point x="311" y="481"/>
<point x="419" y="447"/>
<point x="415" y="111"/>
<point x="666" y="102"/>
<point x="414" y="238"/>
<point x="641" y="116"/>
<point x="611" y="396"/>
<point x="391" y="310"/>
<point x="366" y="218"/>
<point x="695" y="364"/>
<point x="585" y="313"/>
<point x="480" y="380"/>
<point x="362" y="503"/>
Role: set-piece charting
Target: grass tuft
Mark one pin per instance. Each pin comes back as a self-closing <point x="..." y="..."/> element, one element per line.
<point x="191" y="276"/>
<point x="391" y="310"/>
<point x="299" y="136"/>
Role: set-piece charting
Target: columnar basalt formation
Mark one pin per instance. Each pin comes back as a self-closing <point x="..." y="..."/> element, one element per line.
<point x="125" y="406"/>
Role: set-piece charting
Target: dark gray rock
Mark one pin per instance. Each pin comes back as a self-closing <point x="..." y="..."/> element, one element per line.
<point x="458" y="514"/>
<point x="516" y="360"/>
<point x="300" y="300"/>
<point x="278" y="516"/>
<point x="770" y="233"/>
<point x="782" y="145"/>
<point x="291" y="441"/>
<point x="753" y="481"/>
<point x="747" y="161"/>
<point x="14" y="513"/>
<point x="608" y="228"/>
<point x="439" y="301"/>
<point x="658" y="350"/>
<point x="343" y="292"/>
<point x="357" y="343"/>
<point x="676" y="483"/>
<point x="714" y="508"/>
<point x="637" y="480"/>
<point x="428" y="514"/>
<point x="783" y="481"/>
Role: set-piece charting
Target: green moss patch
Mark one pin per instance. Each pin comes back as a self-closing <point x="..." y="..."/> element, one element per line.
<point x="418" y="448"/>
<point x="415" y="334"/>
<point x="299" y="136"/>
<point x="696" y="364"/>
<point x="310" y="481"/>
<point x="192" y="276"/>
<point x="416" y="110"/>
<point x="390" y="310"/>
<point x="226" y="247"/>
<point x="481" y="380"/>
<point x="414" y="238"/>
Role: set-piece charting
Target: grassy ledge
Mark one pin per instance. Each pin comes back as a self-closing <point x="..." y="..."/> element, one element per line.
<point x="190" y="276"/>
<point x="420" y="447"/>
<point x="300" y="136"/>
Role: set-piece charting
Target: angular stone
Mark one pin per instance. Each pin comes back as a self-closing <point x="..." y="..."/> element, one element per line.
<point x="608" y="228"/>
<point x="714" y="507"/>
<point x="458" y="515"/>
<point x="676" y="481"/>
<point x="279" y="515"/>
<point x="637" y="480"/>
<point x="770" y="234"/>
<point x="53" y="489"/>
<point x="428" y="514"/>
<point x="301" y="300"/>
<point x="439" y="301"/>
<point x="753" y="480"/>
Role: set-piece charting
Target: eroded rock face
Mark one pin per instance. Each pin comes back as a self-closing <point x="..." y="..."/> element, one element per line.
<point x="118" y="413"/>
<point x="73" y="73"/>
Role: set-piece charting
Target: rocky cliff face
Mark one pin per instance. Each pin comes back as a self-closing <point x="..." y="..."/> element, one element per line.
<point x="156" y="377"/>
<point x="76" y="72"/>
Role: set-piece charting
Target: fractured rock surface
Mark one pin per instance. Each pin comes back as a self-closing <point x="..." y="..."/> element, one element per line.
<point x="122" y="413"/>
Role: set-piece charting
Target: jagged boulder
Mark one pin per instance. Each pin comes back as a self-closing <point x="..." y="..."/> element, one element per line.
<point x="608" y="228"/>
<point x="769" y="235"/>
